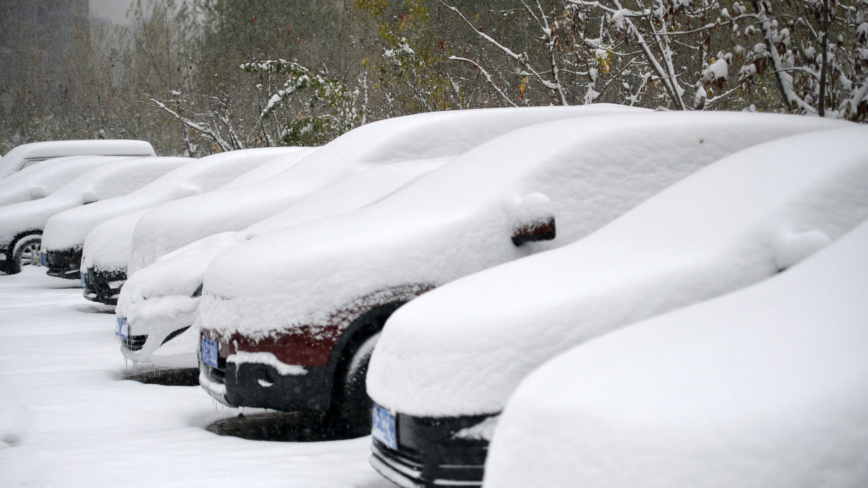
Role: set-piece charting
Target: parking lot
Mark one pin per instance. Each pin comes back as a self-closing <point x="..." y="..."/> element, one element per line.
<point x="69" y="418"/>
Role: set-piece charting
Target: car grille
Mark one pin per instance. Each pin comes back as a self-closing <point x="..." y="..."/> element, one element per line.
<point x="217" y="374"/>
<point x="134" y="343"/>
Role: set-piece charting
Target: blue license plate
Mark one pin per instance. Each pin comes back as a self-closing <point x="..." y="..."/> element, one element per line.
<point x="123" y="329"/>
<point x="43" y="259"/>
<point x="209" y="352"/>
<point x="83" y="281"/>
<point x="383" y="426"/>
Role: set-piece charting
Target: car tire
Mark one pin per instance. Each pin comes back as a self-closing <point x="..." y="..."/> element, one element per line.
<point x="350" y="413"/>
<point x="25" y="253"/>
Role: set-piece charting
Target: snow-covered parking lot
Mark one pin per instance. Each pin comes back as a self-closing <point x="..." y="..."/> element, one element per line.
<point x="68" y="418"/>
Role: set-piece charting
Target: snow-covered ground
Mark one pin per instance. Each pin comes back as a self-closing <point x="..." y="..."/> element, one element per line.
<point x="68" y="419"/>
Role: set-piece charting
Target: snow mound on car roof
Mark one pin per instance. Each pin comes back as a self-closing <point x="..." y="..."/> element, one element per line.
<point x="107" y="181"/>
<point x="39" y="181"/>
<point x="767" y="386"/>
<point x="421" y="136"/>
<point x="459" y="219"/>
<point x="464" y="348"/>
<point x="180" y="272"/>
<point x="37" y="152"/>
<point x="69" y="229"/>
<point x="272" y="168"/>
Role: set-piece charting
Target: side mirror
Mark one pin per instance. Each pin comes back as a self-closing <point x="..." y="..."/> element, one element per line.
<point x="89" y="196"/>
<point x="535" y="231"/>
<point x="536" y="221"/>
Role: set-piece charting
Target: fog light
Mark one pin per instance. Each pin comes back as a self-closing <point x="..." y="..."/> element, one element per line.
<point x="115" y="285"/>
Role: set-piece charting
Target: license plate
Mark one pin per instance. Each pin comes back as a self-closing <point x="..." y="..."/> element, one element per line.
<point x="43" y="259"/>
<point x="83" y="281"/>
<point x="123" y="329"/>
<point x="209" y="352"/>
<point x="383" y="427"/>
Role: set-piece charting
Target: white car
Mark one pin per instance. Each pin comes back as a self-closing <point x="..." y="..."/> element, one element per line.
<point x="39" y="181"/>
<point x="159" y="304"/>
<point x="21" y="224"/>
<point x="294" y="331"/>
<point x="345" y="175"/>
<point x="764" y="387"/>
<point x="447" y="362"/>
<point x="25" y="155"/>
<point x="108" y="247"/>
<point x="64" y="234"/>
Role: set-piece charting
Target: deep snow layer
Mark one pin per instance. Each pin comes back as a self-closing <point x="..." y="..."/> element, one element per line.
<point x="41" y="180"/>
<point x="458" y="219"/>
<point x="105" y="182"/>
<point x="415" y="137"/>
<point x="464" y="348"/>
<point x="68" y="420"/>
<point x="69" y="229"/>
<point x="764" y="387"/>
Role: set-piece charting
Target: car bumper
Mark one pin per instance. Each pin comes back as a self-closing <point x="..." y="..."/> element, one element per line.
<point x="147" y="343"/>
<point x="103" y="286"/>
<point x="259" y="385"/>
<point x="64" y="263"/>
<point x="432" y="452"/>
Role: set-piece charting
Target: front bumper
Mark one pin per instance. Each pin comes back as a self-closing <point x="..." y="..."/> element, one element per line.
<point x="263" y="386"/>
<point x="103" y="286"/>
<point x="64" y="263"/>
<point x="163" y="343"/>
<point x="433" y="452"/>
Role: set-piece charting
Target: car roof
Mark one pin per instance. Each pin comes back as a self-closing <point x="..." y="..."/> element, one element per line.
<point x="26" y="154"/>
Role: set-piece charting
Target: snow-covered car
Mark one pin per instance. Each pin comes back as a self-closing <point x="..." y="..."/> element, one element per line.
<point x="159" y="304"/>
<point x="39" y="181"/>
<point x="108" y="247"/>
<point x="767" y="386"/>
<point x="25" y="155"/>
<point x="21" y="224"/>
<point x="447" y="362"/>
<point x="64" y="234"/>
<point x="295" y="331"/>
<point x="419" y="138"/>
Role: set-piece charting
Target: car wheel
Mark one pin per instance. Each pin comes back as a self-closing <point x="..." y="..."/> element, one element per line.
<point x="350" y="414"/>
<point x="25" y="253"/>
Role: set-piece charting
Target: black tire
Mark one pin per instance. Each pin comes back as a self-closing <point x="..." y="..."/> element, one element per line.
<point x="25" y="252"/>
<point x="350" y="413"/>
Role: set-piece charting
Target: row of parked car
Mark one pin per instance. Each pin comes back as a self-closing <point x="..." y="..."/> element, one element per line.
<point x="415" y="278"/>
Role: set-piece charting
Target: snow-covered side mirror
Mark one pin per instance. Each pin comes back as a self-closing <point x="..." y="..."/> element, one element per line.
<point x="89" y="196"/>
<point x="535" y="220"/>
<point x="188" y="191"/>
<point x="38" y="192"/>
